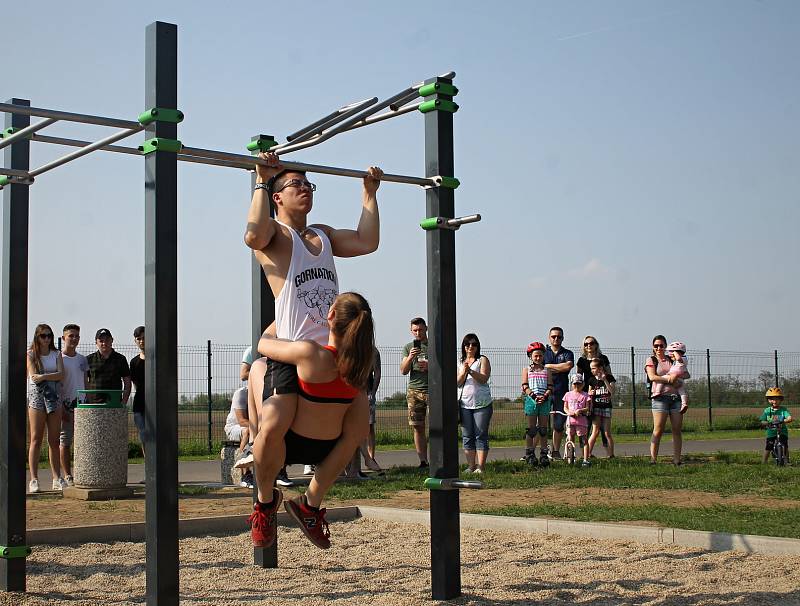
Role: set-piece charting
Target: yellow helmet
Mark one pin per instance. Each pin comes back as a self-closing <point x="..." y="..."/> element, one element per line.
<point x="774" y="392"/>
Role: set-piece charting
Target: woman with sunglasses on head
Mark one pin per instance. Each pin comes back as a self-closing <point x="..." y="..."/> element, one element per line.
<point x="665" y="399"/>
<point x="45" y="370"/>
<point x="591" y="351"/>
<point x="475" y="402"/>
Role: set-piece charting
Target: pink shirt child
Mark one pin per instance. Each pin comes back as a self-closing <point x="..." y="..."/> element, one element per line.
<point x="573" y="402"/>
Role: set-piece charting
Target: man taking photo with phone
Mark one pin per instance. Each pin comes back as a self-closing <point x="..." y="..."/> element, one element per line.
<point x="415" y="361"/>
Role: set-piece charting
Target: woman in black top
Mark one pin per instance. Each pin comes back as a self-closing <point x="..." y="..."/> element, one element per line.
<point x="591" y="350"/>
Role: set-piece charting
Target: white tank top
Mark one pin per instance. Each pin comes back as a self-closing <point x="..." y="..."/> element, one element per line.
<point x="301" y="309"/>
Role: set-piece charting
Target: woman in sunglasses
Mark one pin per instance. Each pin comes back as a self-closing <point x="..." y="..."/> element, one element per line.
<point x="45" y="370"/>
<point x="475" y="402"/>
<point x="666" y="402"/>
<point x="599" y="383"/>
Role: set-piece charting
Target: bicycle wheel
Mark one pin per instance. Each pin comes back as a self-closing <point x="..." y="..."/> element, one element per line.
<point x="779" y="452"/>
<point x="570" y="453"/>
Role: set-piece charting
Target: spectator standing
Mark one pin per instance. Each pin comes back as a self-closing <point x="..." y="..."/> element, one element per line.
<point x="591" y="350"/>
<point x="577" y="408"/>
<point x="45" y="370"/>
<point x="559" y="360"/>
<point x="368" y="447"/>
<point x="75" y="369"/>
<point x="415" y="363"/>
<point x="537" y="389"/>
<point x="108" y="369"/>
<point x="475" y="402"/>
<point x="665" y="400"/>
<point x="676" y="351"/>
<point x="601" y="389"/>
<point x="137" y="376"/>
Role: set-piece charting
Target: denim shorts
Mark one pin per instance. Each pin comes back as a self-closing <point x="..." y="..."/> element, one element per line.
<point x="668" y="403"/>
<point x="44" y="396"/>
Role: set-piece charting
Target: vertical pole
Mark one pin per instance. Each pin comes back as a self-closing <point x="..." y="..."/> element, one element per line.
<point x="161" y="304"/>
<point x="440" y="245"/>
<point x="208" y="375"/>
<point x="777" y="381"/>
<point x="633" y="387"/>
<point x="13" y="409"/>
<point x="263" y="314"/>
<point x="708" y="380"/>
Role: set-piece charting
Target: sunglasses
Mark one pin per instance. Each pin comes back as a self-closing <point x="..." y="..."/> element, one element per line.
<point x="471" y="344"/>
<point x="45" y="335"/>
<point x="588" y="343"/>
<point x="658" y="346"/>
<point x="299" y="183"/>
<point x="556" y="336"/>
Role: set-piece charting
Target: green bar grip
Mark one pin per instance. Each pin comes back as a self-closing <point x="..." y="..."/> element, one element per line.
<point x="114" y="398"/>
<point x="262" y="143"/>
<point x="436" y="484"/>
<point x="161" y="114"/>
<point x="157" y="144"/>
<point x="429" y="224"/>
<point x="440" y="88"/>
<point x="4" y="181"/>
<point x="438" y="105"/>
<point x="450" y="182"/>
<point x="17" y="551"/>
<point x="9" y="131"/>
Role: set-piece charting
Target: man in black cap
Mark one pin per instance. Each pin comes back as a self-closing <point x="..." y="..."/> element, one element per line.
<point x="108" y="369"/>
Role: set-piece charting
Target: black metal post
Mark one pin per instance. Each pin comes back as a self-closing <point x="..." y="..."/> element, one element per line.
<point x="263" y="314"/>
<point x="208" y="375"/>
<point x="443" y="425"/>
<point x="161" y="318"/>
<point x="777" y="381"/>
<point x="708" y="380"/>
<point x="633" y="387"/>
<point x="13" y="409"/>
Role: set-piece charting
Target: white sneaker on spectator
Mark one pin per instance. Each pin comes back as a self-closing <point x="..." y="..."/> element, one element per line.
<point x="69" y="480"/>
<point x="33" y="486"/>
<point x="477" y="470"/>
<point x="308" y="470"/>
<point x="59" y="484"/>
<point x="246" y="459"/>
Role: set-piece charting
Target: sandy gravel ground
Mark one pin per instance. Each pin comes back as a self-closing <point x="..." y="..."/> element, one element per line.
<point x="373" y="562"/>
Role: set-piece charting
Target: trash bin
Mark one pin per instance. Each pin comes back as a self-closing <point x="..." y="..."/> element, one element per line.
<point x="101" y="440"/>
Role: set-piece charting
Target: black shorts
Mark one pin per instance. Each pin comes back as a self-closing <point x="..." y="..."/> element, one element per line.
<point x="307" y="451"/>
<point x="279" y="378"/>
<point x="558" y="421"/>
<point x="771" y="442"/>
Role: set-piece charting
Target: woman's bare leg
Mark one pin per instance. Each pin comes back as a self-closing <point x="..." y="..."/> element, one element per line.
<point x="659" y="422"/>
<point x="36" y="421"/>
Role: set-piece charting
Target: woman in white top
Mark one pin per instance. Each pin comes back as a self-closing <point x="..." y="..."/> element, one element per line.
<point x="45" y="370"/>
<point x="475" y="402"/>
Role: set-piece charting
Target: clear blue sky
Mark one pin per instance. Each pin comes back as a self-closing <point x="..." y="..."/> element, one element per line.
<point x="635" y="162"/>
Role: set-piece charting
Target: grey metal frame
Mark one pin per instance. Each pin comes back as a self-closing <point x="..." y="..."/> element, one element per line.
<point x="26" y="132"/>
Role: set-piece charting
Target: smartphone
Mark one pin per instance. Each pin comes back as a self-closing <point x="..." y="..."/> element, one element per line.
<point x="417" y="343"/>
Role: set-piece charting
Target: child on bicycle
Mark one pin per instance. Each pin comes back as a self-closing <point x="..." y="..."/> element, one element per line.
<point x="775" y="413"/>
<point x="577" y="405"/>
<point x="537" y="388"/>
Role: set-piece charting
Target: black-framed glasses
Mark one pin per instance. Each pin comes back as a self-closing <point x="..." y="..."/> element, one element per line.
<point x="45" y="335"/>
<point x="299" y="183"/>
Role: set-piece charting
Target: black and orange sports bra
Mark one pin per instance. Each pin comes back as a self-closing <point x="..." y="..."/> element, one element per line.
<point x="332" y="392"/>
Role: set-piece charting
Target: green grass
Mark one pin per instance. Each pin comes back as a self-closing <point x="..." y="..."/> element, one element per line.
<point x="716" y="518"/>
<point x="724" y="474"/>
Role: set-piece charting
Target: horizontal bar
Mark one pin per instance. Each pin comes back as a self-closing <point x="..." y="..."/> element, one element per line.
<point x="318" y="132"/>
<point x="78" y="143"/>
<point x="86" y="150"/>
<point x="387" y="115"/>
<point x="311" y="168"/>
<point x="326" y="119"/>
<point x="23" y="133"/>
<point x="14" y="172"/>
<point x="67" y="116"/>
<point x="458" y="221"/>
<point x="448" y="76"/>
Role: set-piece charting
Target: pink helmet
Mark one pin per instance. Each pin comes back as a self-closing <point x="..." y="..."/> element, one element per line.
<point x="676" y="346"/>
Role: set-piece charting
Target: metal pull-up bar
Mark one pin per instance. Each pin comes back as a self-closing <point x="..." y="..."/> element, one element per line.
<point x="25" y="132"/>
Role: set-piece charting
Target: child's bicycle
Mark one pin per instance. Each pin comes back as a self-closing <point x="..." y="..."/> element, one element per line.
<point x="778" y="449"/>
<point x="569" y="445"/>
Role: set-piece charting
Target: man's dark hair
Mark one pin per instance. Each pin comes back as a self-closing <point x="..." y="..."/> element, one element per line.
<point x="71" y="327"/>
<point x="558" y="328"/>
<point x="276" y="182"/>
<point x="418" y="321"/>
<point x="138" y="332"/>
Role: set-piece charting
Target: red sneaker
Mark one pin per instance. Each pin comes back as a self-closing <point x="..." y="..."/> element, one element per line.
<point x="263" y="527"/>
<point x="312" y="523"/>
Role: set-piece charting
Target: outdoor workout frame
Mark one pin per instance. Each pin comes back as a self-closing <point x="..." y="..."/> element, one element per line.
<point x="162" y="151"/>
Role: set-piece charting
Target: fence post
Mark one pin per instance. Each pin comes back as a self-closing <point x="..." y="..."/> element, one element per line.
<point x="708" y="377"/>
<point x="209" y="396"/>
<point x="777" y="383"/>
<point x="633" y="387"/>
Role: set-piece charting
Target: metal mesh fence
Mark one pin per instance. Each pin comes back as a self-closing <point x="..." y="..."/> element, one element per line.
<point x="726" y="389"/>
